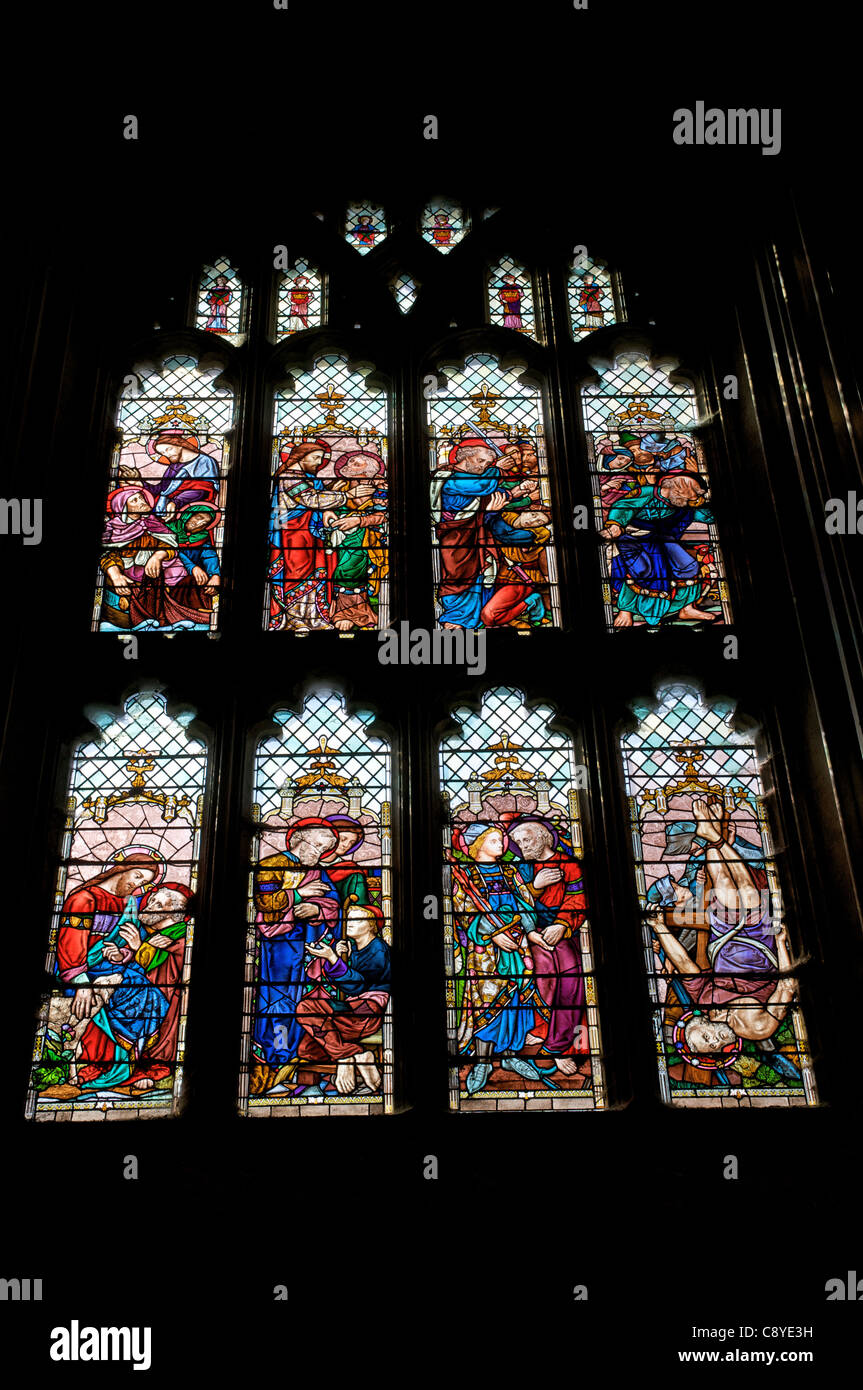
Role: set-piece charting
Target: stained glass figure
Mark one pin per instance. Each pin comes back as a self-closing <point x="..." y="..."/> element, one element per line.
<point x="521" y="993"/>
<point x="318" y="1025"/>
<point x="405" y="290"/>
<point x="160" y="569"/>
<point x="510" y="297"/>
<point x="591" y="297"/>
<point x="111" y="1036"/>
<point x="491" y="505"/>
<point x="221" y="301"/>
<point x="300" y="300"/>
<point x="444" y="225"/>
<point x="365" y="226"/>
<point x="719" y="960"/>
<point x="661" y="562"/>
<point x="328" y="527"/>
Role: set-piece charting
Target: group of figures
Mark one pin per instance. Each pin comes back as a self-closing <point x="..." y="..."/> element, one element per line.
<point x="322" y="965"/>
<point x="328" y="556"/>
<point x="121" y="943"/>
<point x="493" y="532"/>
<point x="655" y="514"/>
<point x="722" y="964"/>
<point x="519" y="904"/>
<point x="160" y="562"/>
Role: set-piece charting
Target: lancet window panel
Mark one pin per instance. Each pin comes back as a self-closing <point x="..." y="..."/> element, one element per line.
<point x="318" y="1020"/>
<point x="661" y="559"/>
<point x="494" y="555"/>
<point x="512" y="298"/>
<point x="111" y="1035"/>
<point x="720" y="963"/>
<point x="221" y="306"/>
<point x="300" y="300"/>
<point x="160" y="566"/>
<point x="591" y="297"/>
<point x="365" y="226"/>
<point x="328" y="562"/>
<point x="522" y="1017"/>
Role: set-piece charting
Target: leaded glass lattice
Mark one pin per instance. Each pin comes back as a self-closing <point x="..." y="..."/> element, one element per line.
<point x="521" y="992"/>
<point x="300" y="302"/>
<point x="365" y="226"/>
<point x="494" y="558"/>
<point x="318" y="1026"/>
<point x="111" y="1036"/>
<point x="328" y="556"/>
<point x="591" y="297"/>
<point x="726" y="1017"/>
<point x="405" y="290"/>
<point x="160" y="568"/>
<point x="221" y="301"/>
<point x="661" y="561"/>
<point x="511" y="298"/>
<point x="444" y="225"/>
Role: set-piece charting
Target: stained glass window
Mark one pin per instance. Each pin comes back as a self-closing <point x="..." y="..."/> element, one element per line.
<point x="511" y="297"/>
<point x="405" y="289"/>
<point x="365" y="226"/>
<point x="491" y="506"/>
<point x="443" y="225"/>
<point x="162" y="542"/>
<point x="317" y="1002"/>
<point x="591" y="297"/>
<point x="328" y="522"/>
<point x="521" y="992"/>
<point x="300" y="300"/>
<point x="661" y="561"/>
<point x="221" y="301"/>
<point x="719" y="961"/>
<point x="111" y="1036"/>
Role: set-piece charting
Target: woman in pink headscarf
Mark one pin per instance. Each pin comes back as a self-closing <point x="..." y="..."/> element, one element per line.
<point x="147" y="584"/>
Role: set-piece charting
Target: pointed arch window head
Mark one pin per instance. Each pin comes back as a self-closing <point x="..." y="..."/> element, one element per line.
<point x="521" y="993"/>
<point x="328" y="538"/>
<point x="318" y="1025"/>
<point x="591" y="295"/>
<point x="160" y="567"/>
<point x="221" y="305"/>
<point x="511" y="298"/>
<point x="661" y="561"/>
<point x="301" y="299"/>
<point x="719" y="962"/>
<point x="405" y="290"/>
<point x="495" y="564"/>
<point x="444" y="225"/>
<point x="365" y="226"/>
<point x="111" y="1035"/>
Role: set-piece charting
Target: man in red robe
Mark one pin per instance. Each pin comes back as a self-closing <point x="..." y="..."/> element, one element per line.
<point x="300" y="565"/>
<point x="91" y="913"/>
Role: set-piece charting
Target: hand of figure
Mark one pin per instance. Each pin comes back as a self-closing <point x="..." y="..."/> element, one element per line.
<point x="343" y="948"/>
<point x="536" y="938"/>
<point x="306" y="910"/>
<point x="200" y="575"/>
<point x="84" y="1003"/>
<point x="546" y="877"/>
<point x="163" y="942"/>
<point x="350" y="523"/>
<point x="553" y="934"/>
<point x="131" y="935"/>
<point x="505" y="941"/>
<point x="313" y="889"/>
<point x="120" y="584"/>
<point x="496" y="502"/>
<point x="322" y="951"/>
<point x="111" y="953"/>
<point x="212" y="584"/>
<point x="153" y="567"/>
<point x="611" y="531"/>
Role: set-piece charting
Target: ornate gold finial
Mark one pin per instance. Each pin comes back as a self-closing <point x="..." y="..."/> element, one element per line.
<point x="322" y="755"/>
<point x="331" y="401"/>
<point x="688" y="755"/>
<point x="177" y="413"/>
<point x="140" y="764"/>
<point x="505" y="762"/>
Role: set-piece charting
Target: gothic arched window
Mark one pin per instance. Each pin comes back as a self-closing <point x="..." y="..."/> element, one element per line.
<point x="511" y="299"/>
<point x="221" y="304"/>
<point x="300" y="300"/>
<point x="719" y="960"/>
<point x="111" y="1036"/>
